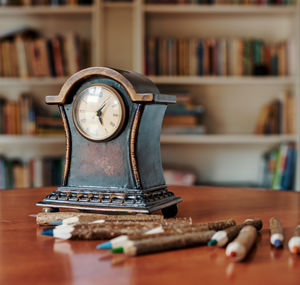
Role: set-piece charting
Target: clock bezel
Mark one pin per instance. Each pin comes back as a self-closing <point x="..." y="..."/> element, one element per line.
<point x="123" y="113"/>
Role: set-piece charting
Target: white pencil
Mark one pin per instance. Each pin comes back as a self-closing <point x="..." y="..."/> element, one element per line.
<point x="294" y="242"/>
<point x="221" y="238"/>
<point x="239" y="248"/>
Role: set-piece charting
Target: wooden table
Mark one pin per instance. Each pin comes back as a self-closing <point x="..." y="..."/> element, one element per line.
<point x="26" y="257"/>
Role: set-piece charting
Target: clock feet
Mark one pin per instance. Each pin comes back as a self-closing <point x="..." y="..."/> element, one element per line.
<point x="170" y="211"/>
<point x="50" y="210"/>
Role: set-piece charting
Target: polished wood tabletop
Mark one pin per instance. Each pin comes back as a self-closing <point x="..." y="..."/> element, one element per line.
<point x="26" y="257"/>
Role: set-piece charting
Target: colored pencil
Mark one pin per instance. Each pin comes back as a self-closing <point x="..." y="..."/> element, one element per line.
<point x="276" y="231"/>
<point x="165" y="243"/>
<point x="294" y="242"/>
<point x="167" y="230"/>
<point x="221" y="238"/>
<point x="240" y="247"/>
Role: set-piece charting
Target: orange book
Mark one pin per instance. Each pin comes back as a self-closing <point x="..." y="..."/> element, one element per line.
<point x="184" y="120"/>
<point x="262" y="119"/>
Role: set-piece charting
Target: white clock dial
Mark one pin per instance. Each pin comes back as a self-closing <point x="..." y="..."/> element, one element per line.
<point x="99" y="112"/>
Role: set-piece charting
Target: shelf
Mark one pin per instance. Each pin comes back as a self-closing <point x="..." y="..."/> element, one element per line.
<point x="118" y="4"/>
<point x="219" y="9"/>
<point x="47" y="81"/>
<point x="206" y="80"/>
<point x="46" y="10"/>
<point x="32" y="140"/>
<point x="227" y="139"/>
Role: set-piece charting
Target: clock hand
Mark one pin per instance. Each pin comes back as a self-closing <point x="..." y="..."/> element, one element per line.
<point x="101" y="120"/>
<point x="101" y="108"/>
<point x="99" y="112"/>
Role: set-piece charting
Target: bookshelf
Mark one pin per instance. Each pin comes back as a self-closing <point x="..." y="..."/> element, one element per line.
<point x="217" y="80"/>
<point x="229" y="153"/>
<point x="49" y="21"/>
<point x="228" y="139"/>
<point x="217" y="9"/>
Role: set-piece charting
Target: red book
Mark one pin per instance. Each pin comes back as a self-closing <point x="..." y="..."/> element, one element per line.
<point x="57" y="57"/>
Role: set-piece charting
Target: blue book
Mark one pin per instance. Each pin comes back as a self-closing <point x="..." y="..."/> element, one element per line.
<point x="2" y="173"/>
<point x="289" y="171"/>
<point x="200" y="56"/>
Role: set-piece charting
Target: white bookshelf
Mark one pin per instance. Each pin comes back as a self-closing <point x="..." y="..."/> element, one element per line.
<point x="49" y="20"/>
<point x="118" y="5"/>
<point x="228" y="139"/>
<point x="218" y="9"/>
<point x="228" y="80"/>
<point x="33" y="141"/>
<point x="229" y="152"/>
<point x="42" y="81"/>
<point x="45" y="10"/>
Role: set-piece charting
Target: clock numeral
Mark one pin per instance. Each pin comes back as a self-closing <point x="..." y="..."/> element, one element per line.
<point x="112" y="124"/>
<point x="81" y="111"/>
<point x="116" y="115"/>
<point x="83" y="121"/>
<point x="114" y="105"/>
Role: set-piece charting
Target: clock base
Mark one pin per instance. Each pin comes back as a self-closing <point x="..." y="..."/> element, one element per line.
<point x="134" y="201"/>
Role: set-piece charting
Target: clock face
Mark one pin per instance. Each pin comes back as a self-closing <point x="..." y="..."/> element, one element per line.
<point x="99" y="112"/>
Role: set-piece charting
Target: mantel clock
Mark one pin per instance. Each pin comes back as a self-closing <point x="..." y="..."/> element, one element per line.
<point x="112" y="120"/>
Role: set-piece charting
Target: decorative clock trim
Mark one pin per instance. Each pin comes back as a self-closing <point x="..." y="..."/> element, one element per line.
<point x="137" y="202"/>
<point x="68" y="145"/>
<point x="132" y="145"/>
<point x="100" y="71"/>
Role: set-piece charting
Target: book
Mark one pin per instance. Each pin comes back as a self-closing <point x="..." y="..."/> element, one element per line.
<point x="190" y="130"/>
<point x="217" y="57"/>
<point x="33" y="172"/>
<point x="22" y="117"/>
<point x="280" y="166"/>
<point x="277" y="116"/>
<point x="27" y="53"/>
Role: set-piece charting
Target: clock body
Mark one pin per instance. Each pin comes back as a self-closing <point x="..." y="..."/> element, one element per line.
<point x="112" y="120"/>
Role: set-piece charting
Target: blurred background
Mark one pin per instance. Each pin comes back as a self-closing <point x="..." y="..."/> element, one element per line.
<point x="233" y="65"/>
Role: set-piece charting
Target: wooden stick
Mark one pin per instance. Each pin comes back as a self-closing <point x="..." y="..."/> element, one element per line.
<point x="159" y="244"/>
<point x="44" y="219"/>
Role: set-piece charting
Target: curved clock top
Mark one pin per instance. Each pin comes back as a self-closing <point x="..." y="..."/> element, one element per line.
<point x="123" y="78"/>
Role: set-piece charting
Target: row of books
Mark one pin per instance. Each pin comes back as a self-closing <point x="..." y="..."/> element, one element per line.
<point x="44" y="2"/>
<point x="224" y="2"/>
<point x="22" y="118"/>
<point x="277" y="116"/>
<point x="279" y="167"/>
<point x="24" y="53"/>
<point x="184" y="117"/>
<point x="220" y="57"/>
<point x="36" y="172"/>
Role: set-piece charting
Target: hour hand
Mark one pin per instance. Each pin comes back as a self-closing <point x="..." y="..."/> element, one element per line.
<point x="101" y="120"/>
<point x="100" y="110"/>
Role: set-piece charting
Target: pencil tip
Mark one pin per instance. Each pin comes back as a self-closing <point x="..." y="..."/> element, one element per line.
<point x="56" y="223"/>
<point x="117" y="250"/>
<point x="232" y="254"/>
<point x="105" y="245"/>
<point x="295" y="249"/>
<point x="212" y="242"/>
<point x="47" y="232"/>
<point x="277" y="243"/>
